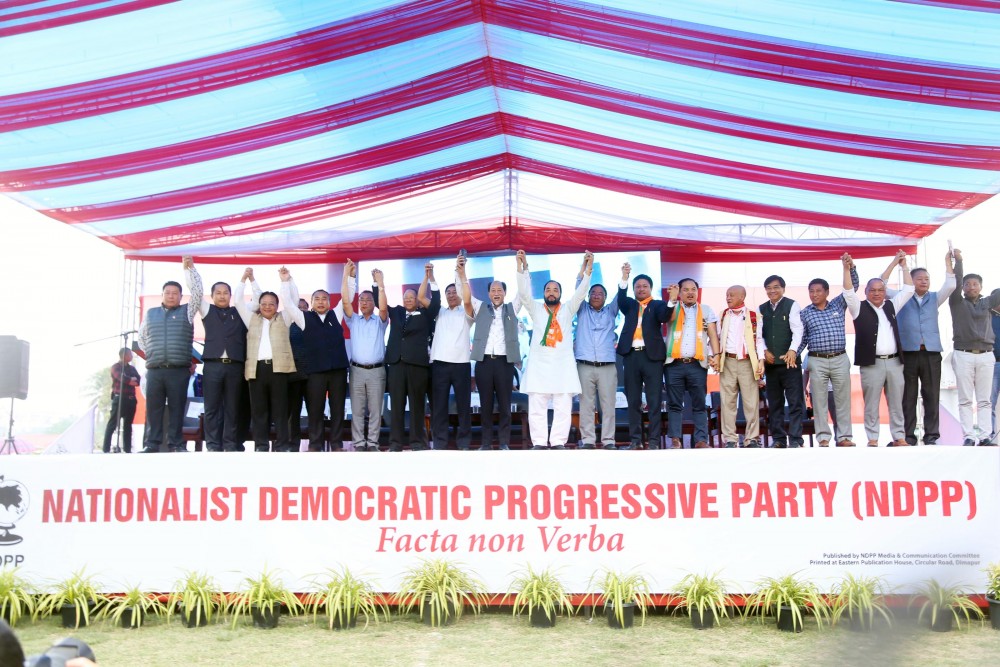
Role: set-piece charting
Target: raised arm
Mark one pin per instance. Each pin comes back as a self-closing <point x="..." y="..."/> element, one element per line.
<point x="380" y="300"/>
<point x="350" y="272"/>
<point x="957" y="296"/>
<point x="422" y="299"/>
<point x="850" y="295"/>
<point x="949" y="280"/>
<point x="523" y="298"/>
<point x="581" y="290"/>
<point x="238" y="303"/>
<point x="193" y="280"/>
<point x="197" y="289"/>
<point x="290" y="298"/>
<point x="462" y="285"/>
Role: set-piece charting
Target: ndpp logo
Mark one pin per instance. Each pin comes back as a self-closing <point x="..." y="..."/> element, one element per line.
<point x="14" y="503"/>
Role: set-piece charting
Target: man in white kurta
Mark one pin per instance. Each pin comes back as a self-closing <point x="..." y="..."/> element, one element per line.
<point x="551" y="368"/>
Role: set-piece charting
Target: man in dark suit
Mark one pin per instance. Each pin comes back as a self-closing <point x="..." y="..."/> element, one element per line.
<point x="644" y="352"/>
<point x="408" y="360"/>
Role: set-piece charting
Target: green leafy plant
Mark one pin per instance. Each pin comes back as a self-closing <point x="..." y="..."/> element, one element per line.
<point x="197" y="597"/>
<point x="17" y="597"/>
<point x="441" y="589"/>
<point x="135" y="603"/>
<point x="342" y="596"/>
<point x="937" y="600"/>
<point x="774" y="595"/>
<point x="702" y="593"/>
<point x="265" y="592"/>
<point x="860" y="599"/>
<point x="618" y="589"/>
<point x="79" y="591"/>
<point x="539" y="590"/>
<point x="993" y="581"/>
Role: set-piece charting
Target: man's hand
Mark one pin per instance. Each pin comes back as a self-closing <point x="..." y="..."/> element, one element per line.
<point x="588" y="261"/>
<point x="284" y="275"/>
<point x="247" y="275"/>
<point x="902" y="259"/>
<point x="377" y="277"/>
<point x="768" y="357"/>
<point x="188" y="262"/>
<point x="790" y="359"/>
<point x="673" y="291"/>
<point x="351" y="268"/>
<point x="460" y="267"/>
<point x="626" y="270"/>
<point x="958" y="255"/>
<point x="522" y="261"/>
<point x="429" y="271"/>
<point x="713" y="363"/>
<point x="847" y="261"/>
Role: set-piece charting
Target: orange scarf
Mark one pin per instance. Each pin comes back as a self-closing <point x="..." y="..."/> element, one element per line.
<point x="677" y="333"/>
<point x="638" y="323"/>
<point x="553" y="332"/>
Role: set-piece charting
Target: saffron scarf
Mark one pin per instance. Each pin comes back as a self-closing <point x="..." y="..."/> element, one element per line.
<point x="677" y="333"/>
<point x="637" y="335"/>
<point x="553" y="332"/>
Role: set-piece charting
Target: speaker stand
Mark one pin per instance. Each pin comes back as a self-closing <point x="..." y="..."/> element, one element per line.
<point x="8" y="444"/>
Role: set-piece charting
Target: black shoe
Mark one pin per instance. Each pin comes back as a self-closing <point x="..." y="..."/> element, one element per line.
<point x="779" y="444"/>
<point x="653" y="446"/>
<point x="485" y="448"/>
<point x="397" y="448"/>
<point x="588" y="445"/>
<point x="752" y="444"/>
<point x="261" y="448"/>
<point x="969" y="442"/>
<point x="504" y="448"/>
<point x="610" y="445"/>
<point x="930" y="442"/>
<point x="178" y="450"/>
<point x="539" y="447"/>
<point x="987" y="442"/>
<point x="730" y="445"/>
<point x="795" y="445"/>
<point x="418" y="448"/>
<point x="558" y="447"/>
<point x="149" y="450"/>
<point x="634" y="446"/>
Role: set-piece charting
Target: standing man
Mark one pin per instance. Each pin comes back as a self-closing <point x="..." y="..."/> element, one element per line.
<point x="368" y="358"/>
<point x="741" y="366"/>
<point x="551" y="356"/>
<point x="823" y="333"/>
<point x="594" y="347"/>
<point x="165" y="338"/>
<point x="324" y="362"/>
<point x="644" y="352"/>
<point x="995" y="319"/>
<point x="408" y="358"/>
<point x="450" y="362"/>
<point x="124" y="379"/>
<point x="269" y="361"/>
<point x="781" y="324"/>
<point x="224" y="357"/>
<point x="921" y="345"/>
<point x="692" y="346"/>
<point x="973" y="359"/>
<point x="877" y="350"/>
<point x="496" y="350"/>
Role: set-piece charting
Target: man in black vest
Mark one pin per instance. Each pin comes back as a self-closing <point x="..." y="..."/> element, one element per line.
<point x="224" y="356"/>
<point x="877" y="351"/>
<point x="325" y="363"/>
<point x="782" y="328"/>
<point x="408" y="358"/>
<point x="642" y="347"/>
<point x="496" y="351"/>
<point x="165" y="338"/>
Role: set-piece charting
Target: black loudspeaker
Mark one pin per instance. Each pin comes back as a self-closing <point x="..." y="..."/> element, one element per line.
<point x="13" y="367"/>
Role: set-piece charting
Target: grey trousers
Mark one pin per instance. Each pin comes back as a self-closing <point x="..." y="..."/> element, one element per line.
<point x="884" y="375"/>
<point x="600" y="382"/>
<point x="367" y="391"/>
<point x="836" y="370"/>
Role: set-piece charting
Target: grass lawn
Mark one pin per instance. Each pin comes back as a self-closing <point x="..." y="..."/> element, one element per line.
<point x="496" y="638"/>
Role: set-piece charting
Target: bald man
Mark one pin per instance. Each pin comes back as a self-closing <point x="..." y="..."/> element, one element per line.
<point x="741" y="366"/>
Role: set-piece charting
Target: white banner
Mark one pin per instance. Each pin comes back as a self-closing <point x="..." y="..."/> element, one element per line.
<point x="905" y="514"/>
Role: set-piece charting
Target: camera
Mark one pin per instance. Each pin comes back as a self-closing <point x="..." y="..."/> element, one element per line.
<point x="60" y="652"/>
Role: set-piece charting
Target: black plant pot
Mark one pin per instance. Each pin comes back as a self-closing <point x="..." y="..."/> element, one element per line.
<point x="944" y="622"/>
<point x="704" y="621"/>
<point x="69" y="617"/>
<point x="787" y="622"/>
<point x="540" y="620"/>
<point x="628" y="616"/>
<point x="344" y="622"/>
<point x="994" y="612"/>
<point x="265" y="619"/>
<point x="195" y="619"/>
<point x="131" y="618"/>
<point x="425" y="613"/>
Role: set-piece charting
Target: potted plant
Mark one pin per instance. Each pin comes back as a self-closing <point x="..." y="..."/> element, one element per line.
<point x="16" y="596"/>
<point x="73" y="598"/>
<point x="342" y="596"/>
<point x="704" y="598"/>
<point x="263" y="597"/>
<point x="944" y="606"/>
<point x="441" y="589"/>
<point x="789" y="599"/>
<point x="197" y="597"/>
<point x="860" y="599"/>
<point x="132" y="607"/>
<point x="623" y="593"/>
<point x="541" y="594"/>
<point x="993" y="593"/>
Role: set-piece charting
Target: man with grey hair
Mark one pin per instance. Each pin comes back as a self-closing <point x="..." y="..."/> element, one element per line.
<point x="367" y="383"/>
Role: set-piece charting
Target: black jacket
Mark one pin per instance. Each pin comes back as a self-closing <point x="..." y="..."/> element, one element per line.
<point x="656" y="314"/>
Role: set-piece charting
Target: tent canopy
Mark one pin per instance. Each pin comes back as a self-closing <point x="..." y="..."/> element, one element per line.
<point x="292" y="130"/>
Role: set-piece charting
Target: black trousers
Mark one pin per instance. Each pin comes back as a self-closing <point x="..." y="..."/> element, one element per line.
<point x="166" y="392"/>
<point x="222" y="384"/>
<point x="127" y="405"/>
<point x="296" y="399"/>
<point x="922" y="373"/>
<point x="269" y="402"/>
<point x="495" y="380"/>
<point x="785" y="384"/>
<point x="641" y="372"/>
<point x="445" y="376"/>
<point x="407" y="381"/>
<point x="318" y="386"/>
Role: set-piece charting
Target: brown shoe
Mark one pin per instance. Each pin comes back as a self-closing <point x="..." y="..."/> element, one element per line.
<point x="701" y="444"/>
<point x="900" y="443"/>
<point x="873" y="443"/>
<point x="675" y="443"/>
<point x="824" y="443"/>
<point x="846" y="443"/>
